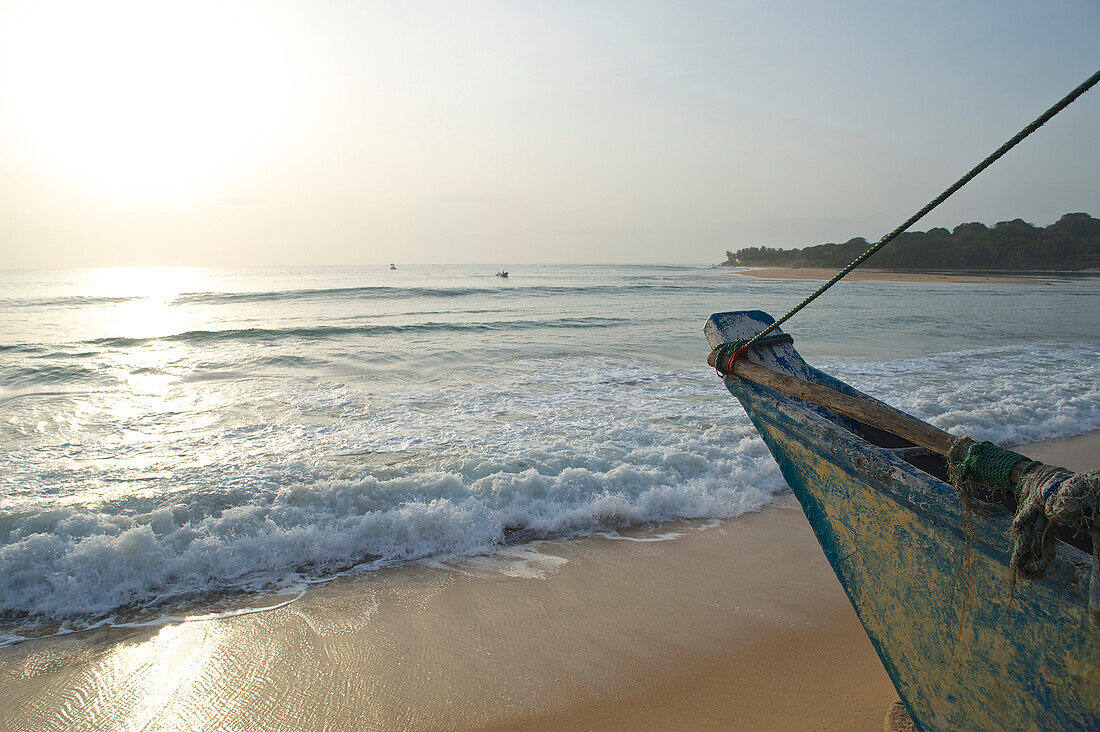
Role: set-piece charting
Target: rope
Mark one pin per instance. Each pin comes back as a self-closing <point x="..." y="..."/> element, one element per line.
<point x="985" y="462"/>
<point x="1039" y="122"/>
<point x="1047" y="496"/>
<point x="972" y="467"/>
<point x="727" y="353"/>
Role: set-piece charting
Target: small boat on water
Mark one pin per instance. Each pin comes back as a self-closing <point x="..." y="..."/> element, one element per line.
<point x="502" y="273"/>
<point x="393" y="266"/>
<point x="966" y="643"/>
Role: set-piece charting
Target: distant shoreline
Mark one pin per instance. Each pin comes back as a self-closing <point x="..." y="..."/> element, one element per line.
<point x="891" y="275"/>
<point x="1070" y="243"/>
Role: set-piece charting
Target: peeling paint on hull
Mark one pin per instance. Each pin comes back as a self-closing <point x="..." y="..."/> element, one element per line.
<point x="931" y="584"/>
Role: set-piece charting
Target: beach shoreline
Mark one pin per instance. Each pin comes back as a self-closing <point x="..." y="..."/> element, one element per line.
<point x="737" y="623"/>
<point x="869" y="274"/>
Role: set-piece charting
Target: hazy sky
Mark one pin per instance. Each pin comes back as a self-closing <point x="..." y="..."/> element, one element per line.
<point x="227" y="132"/>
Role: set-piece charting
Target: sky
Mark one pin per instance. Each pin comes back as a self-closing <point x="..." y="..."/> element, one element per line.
<point x="264" y="133"/>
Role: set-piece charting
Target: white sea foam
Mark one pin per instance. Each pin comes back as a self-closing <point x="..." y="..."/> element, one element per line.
<point x="1009" y="395"/>
<point x="523" y="562"/>
<point x="149" y="471"/>
<point x="465" y="469"/>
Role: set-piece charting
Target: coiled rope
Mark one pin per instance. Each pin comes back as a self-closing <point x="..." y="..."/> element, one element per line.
<point x="974" y="464"/>
<point x="1039" y="122"/>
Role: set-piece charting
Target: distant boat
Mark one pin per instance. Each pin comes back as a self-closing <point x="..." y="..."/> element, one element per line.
<point x="393" y="266"/>
<point x="966" y="644"/>
<point x="502" y="273"/>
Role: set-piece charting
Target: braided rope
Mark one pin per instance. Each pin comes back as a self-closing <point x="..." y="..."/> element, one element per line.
<point x="973" y="467"/>
<point x="1039" y="122"/>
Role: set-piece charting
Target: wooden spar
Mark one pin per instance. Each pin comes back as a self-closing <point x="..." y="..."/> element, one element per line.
<point x="909" y="428"/>
<point x="902" y="425"/>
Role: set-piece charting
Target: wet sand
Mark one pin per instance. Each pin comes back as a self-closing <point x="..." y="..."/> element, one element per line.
<point x="739" y="624"/>
<point x="864" y="274"/>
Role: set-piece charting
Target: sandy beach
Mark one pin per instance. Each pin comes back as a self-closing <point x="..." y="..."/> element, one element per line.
<point x="866" y="274"/>
<point x="353" y="365"/>
<point x="738" y="624"/>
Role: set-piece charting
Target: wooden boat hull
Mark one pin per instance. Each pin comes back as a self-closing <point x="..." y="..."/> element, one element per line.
<point x="966" y="647"/>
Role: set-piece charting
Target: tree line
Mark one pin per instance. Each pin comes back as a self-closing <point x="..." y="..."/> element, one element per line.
<point x="1071" y="243"/>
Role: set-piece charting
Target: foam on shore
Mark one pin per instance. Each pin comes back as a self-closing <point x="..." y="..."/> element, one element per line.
<point x="451" y="470"/>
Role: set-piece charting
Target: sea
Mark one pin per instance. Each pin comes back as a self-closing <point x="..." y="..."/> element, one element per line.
<point x="181" y="442"/>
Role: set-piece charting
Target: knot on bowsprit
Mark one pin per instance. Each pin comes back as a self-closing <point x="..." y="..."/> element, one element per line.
<point x="723" y="357"/>
<point x="1049" y="497"/>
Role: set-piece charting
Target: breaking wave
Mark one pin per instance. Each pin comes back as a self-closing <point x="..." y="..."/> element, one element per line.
<point x="464" y="469"/>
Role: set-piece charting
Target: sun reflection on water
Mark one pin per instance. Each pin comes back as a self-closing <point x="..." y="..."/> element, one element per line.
<point x="130" y="430"/>
<point x="164" y="681"/>
<point x="147" y="310"/>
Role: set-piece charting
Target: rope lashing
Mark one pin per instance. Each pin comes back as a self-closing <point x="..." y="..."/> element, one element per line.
<point x="1039" y="122"/>
<point x="727" y="353"/>
<point x="1047" y="496"/>
<point x="974" y="464"/>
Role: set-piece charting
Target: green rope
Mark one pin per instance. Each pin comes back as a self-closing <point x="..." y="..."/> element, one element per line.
<point x="1039" y="122"/>
<point x="989" y="463"/>
<point x="972" y="467"/>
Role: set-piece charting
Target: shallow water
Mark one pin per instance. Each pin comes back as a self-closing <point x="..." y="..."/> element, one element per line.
<point x="173" y="434"/>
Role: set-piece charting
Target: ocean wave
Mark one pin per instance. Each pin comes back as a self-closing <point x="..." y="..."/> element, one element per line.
<point x="334" y="475"/>
<point x="369" y="292"/>
<point x="22" y="348"/>
<point x="61" y="374"/>
<point x="335" y="331"/>
<point x="326" y="293"/>
<point x="1006" y="394"/>
<point x="64" y="301"/>
<point x="391" y="292"/>
<point x="82" y="563"/>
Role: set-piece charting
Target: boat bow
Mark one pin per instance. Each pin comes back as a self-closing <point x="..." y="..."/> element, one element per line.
<point x="966" y="645"/>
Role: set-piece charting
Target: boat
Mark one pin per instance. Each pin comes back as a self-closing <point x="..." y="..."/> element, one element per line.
<point x="966" y="643"/>
<point x="393" y="266"/>
<point x="502" y="273"/>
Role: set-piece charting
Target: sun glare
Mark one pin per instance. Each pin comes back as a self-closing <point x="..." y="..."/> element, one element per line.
<point x="145" y="100"/>
<point x="160" y="284"/>
<point x="149" y="311"/>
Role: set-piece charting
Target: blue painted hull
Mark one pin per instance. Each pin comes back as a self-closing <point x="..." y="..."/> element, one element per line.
<point x="965" y="647"/>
